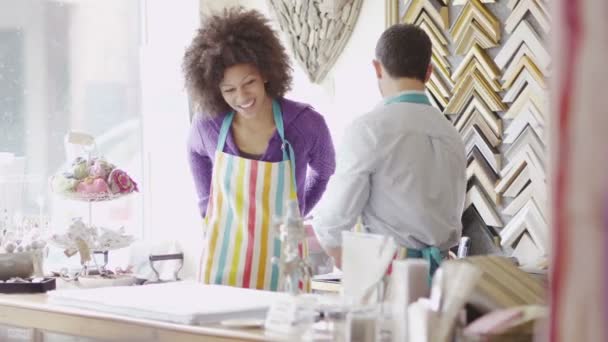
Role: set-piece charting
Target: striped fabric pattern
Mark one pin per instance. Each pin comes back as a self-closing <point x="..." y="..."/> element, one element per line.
<point x="579" y="272"/>
<point x="240" y="239"/>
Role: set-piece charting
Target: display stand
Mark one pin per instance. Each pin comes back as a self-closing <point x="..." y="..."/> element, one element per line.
<point x="89" y="252"/>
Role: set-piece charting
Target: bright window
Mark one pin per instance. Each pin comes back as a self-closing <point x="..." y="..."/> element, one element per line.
<point x="69" y="65"/>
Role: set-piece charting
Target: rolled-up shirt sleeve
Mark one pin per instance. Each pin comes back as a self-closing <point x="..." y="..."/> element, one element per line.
<point x="349" y="189"/>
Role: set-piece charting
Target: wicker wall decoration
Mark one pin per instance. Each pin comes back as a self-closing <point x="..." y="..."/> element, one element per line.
<point x="317" y="31"/>
<point x="491" y="64"/>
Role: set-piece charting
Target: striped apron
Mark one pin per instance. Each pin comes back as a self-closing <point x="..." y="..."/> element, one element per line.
<point x="246" y="196"/>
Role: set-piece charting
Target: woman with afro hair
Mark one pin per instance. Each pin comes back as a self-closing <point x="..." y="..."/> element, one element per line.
<point x="251" y="150"/>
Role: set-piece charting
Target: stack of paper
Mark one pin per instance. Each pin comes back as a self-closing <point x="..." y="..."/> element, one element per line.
<point x="330" y="282"/>
<point x="183" y="302"/>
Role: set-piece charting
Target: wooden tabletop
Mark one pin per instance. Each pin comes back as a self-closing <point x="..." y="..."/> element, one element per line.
<point x="34" y="311"/>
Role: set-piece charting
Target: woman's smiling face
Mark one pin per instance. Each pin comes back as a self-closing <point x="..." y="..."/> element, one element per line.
<point x="243" y="89"/>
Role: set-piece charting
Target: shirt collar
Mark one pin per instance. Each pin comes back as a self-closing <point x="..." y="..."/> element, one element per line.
<point x="411" y="92"/>
<point x="383" y="101"/>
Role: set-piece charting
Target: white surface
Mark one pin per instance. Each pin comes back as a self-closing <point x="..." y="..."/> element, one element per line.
<point x="178" y="302"/>
<point x="167" y="177"/>
<point x="243" y="323"/>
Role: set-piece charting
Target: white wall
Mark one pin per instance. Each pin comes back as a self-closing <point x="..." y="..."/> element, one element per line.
<point x="170" y="200"/>
<point x="350" y="87"/>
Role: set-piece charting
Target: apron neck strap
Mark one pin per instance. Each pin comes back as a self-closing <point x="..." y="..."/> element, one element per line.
<point x="278" y="121"/>
<point x="409" y="98"/>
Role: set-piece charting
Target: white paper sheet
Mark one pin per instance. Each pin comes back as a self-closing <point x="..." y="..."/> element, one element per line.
<point x="184" y="302"/>
<point x="365" y="260"/>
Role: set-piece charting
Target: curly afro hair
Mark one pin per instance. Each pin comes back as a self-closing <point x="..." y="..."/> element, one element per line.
<point x="236" y="36"/>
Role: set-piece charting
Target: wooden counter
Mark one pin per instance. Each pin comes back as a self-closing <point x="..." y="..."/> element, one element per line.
<point x="33" y="311"/>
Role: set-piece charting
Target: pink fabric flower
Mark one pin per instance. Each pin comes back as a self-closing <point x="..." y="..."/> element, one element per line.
<point x="93" y="186"/>
<point x="120" y="182"/>
<point x="100" y="169"/>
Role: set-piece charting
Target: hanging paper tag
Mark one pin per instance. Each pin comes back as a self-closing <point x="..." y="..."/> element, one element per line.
<point x="83" y="249"/>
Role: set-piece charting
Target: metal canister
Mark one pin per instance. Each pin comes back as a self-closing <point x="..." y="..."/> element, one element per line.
<point x="16" y="265"/>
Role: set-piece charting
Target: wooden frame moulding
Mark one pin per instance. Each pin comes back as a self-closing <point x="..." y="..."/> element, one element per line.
<point x="440" y="17"/>
<point x="524" y="51"/>
<point x="526" y="157"/>
<point x="433" y="88"/>
<point x="528" y="219"/>
<point x="439" y="87"/>
<point x="523" y="82"/>
<point x="512" y="3"/>
<point x="528" y="137"/>
<point x="391" y="12"/>
<point x="440" y="69"/>
<point x="473" y="36"/>
<point x="435" y="33"/>
<point x="474" y="12"/>
<point x="515" y="70"/>
<point x="519" y="183"/>
<point x="475" y="84"/>
<point x="478" y="107"/>
<point x="475" y="138"/>
<point x="472" y="66"/>
<point x="523" y="34"/>
<point x="433" y="100"/>
<point x="524" y="120"/>
<point x="530" y="109"/>
<point x="530" y="193"/>
<point x="520" y="10"/>
<point x="484" y="207"/>
<point x="479" y="168"/>
<point x="527" y="100"/>
<point x="483" y="126"/>
<point x="487" y="64"/>
<point x="464" y="2"/>
<point x="526" y="252"/>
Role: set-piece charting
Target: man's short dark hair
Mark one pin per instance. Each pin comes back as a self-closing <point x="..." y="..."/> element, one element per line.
<point x="405" y="51"/>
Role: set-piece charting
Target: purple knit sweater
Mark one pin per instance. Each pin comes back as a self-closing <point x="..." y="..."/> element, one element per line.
<point x="305" y="129"/>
